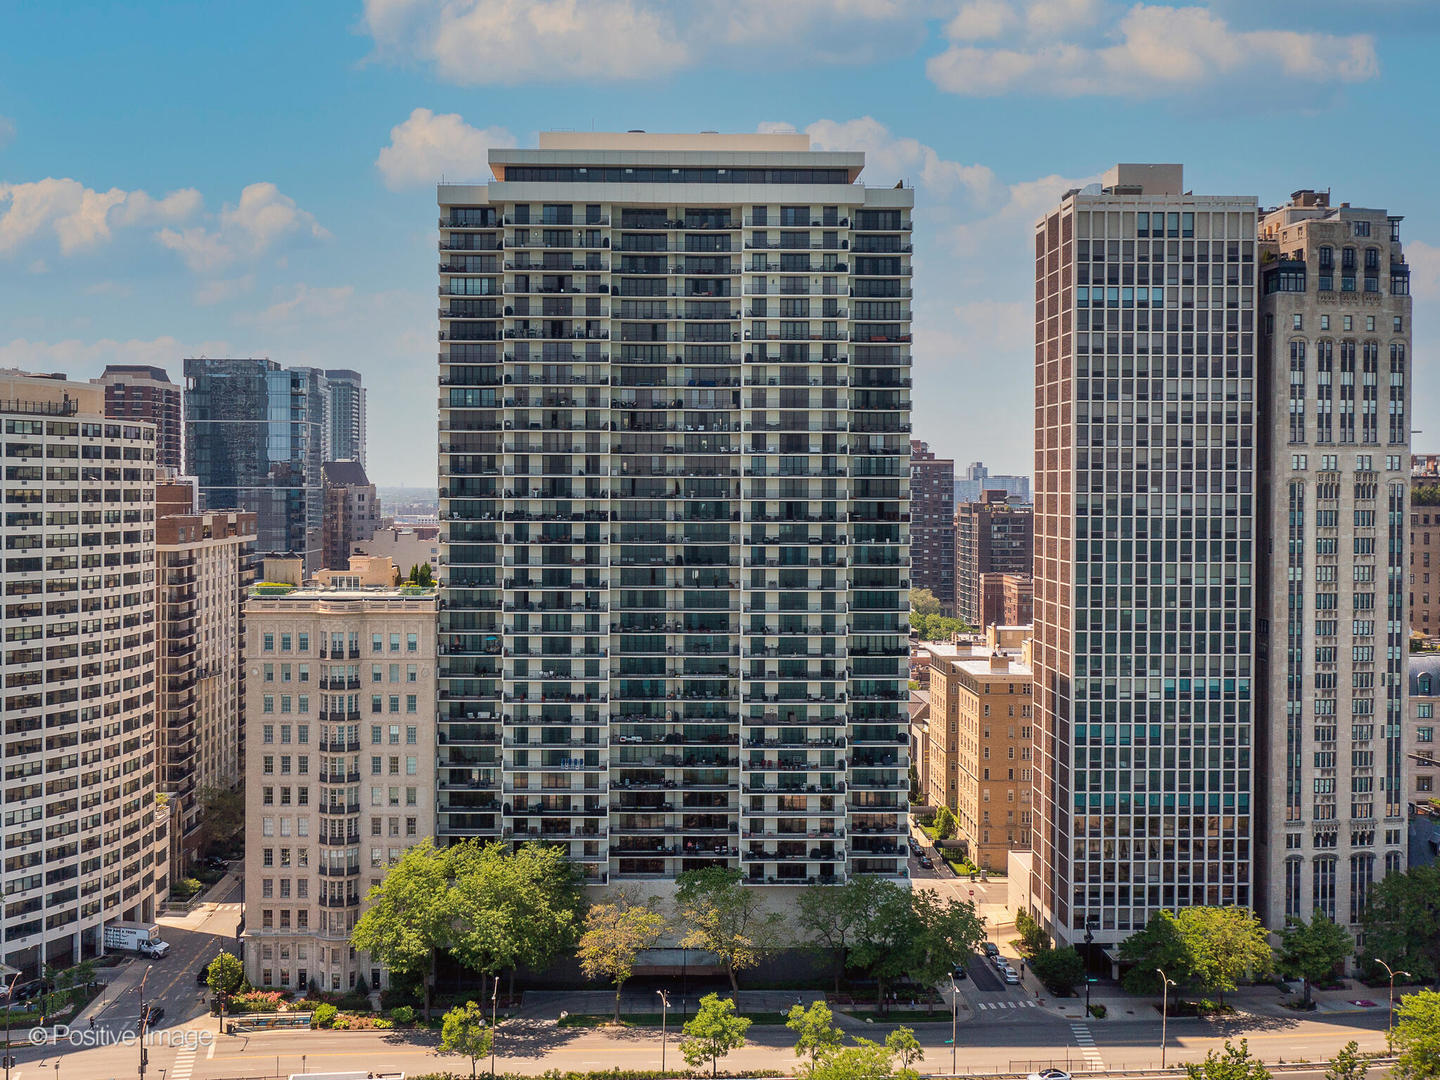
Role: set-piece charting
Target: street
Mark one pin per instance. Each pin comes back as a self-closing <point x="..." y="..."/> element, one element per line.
<point x="1001" y="1028"/>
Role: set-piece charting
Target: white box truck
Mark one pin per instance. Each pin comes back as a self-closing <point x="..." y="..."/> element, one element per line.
<point x="142" y="938"/>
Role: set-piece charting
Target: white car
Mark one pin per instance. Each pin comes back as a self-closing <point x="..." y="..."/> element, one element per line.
<point x="1012" y="977"/>
<point x="1049" y="1074"/>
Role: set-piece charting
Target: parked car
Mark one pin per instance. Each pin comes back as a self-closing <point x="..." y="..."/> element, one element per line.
<point x="958" y="971"/>
<point x="991" y="949"/>
<point x="927" y="862"/>
<point x="1012" y="976"/>
<point x="27" y="990"/>
<point x="203" y="975"/>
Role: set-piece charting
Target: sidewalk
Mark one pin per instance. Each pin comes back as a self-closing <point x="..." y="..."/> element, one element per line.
<point x="123" y="978"/>
<point x="207" y="907"/>
<point x="1263" y="1000"/>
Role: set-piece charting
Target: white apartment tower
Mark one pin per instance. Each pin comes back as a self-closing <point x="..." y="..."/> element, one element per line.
<point x="1334" y="626"/>
<point x="1144" y="530"/>
<point x="674" y="441"/>
<point x="84" y="842"/>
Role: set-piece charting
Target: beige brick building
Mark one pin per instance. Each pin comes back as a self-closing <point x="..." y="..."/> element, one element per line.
<point x="204" y="562"/>
<point x="340" y="769"/>
<point x="980" y="742"/>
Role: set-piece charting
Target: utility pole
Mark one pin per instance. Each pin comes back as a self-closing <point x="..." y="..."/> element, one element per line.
<point x="1390" y="1019"/>
<point x="9" y="995"/>
<point x="664" y="1011"/>
<point x="1089" y="940"/>
<point x="954" y="1019"/>
<point x="494" y="1010"/>
<point x="144" y="1017"/>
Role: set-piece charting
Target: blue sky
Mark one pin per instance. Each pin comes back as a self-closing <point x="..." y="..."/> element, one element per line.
<point x="257" y="178"/>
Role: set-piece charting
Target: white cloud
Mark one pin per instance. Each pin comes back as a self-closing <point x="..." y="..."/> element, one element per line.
<point x="1158" y="49"/>
<point x="1424" y="260"/>
<point x="81" y="359"/>
<point x="248" y="229"/>
<point x="889" y="157"/>
<point x="218" y="290"/>
<point x="475" y="42"/>
<point x="483" y="42"/>
<point x="80" y="217"/>
<point x="428" y="145"/>
<point x="306" y="303"/>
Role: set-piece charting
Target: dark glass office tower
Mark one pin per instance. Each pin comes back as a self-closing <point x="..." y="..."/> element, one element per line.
<point x="255" y="439"/>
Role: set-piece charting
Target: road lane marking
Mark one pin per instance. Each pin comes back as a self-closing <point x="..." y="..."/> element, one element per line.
<point x="210" y="1052"/>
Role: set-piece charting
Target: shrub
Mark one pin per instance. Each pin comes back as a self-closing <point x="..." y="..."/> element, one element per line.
<point x="186" y="888"/>
<point x="324" y="1016"/>
<point x="1098" y="1011"/>
<point x="403" y="1014"/>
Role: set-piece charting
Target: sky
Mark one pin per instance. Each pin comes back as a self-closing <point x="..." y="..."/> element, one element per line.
<point x="257" y="178"/>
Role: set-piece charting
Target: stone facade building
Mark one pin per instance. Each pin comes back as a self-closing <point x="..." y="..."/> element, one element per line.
<point x="992" y="536"/>
<point x="340" y="770"/>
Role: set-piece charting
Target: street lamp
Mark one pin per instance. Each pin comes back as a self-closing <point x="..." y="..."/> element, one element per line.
<point x="664" y="1010"/>
<point x="1390" y="1018"/>
<point x="144" y="1016"/>
<point x="9" y="996"/>
<point x="954" y="1019"/>
<point x="1089" y="940"/>
<point x="494" y="1007"/>
<point x="1165" y="983"/>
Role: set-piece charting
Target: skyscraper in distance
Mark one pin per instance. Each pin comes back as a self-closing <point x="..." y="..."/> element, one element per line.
<point x="674" y="449"/>
<point x="145" y="392"/>
<point x="346" y="408"/>
<point x="932" y="524"/>
<point x="1144" y="552"/>
<point x="255" y="435"/>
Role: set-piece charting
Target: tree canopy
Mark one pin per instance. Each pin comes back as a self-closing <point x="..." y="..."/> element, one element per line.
<point x="615" y="934"/>
<point x="1060" y="970"/>
<point x="924" y="602"/>
<point x="1232" y="1063"/>
<point x="815" y="1032"/>
<point x="713" y="1032"/>
<point x="903" y="932"/>
<point x="1211" y="947"/>
<point x="726" y="917"/>
<point x="1401" y="921"/>
<point x="1417" y="1037"/>
<point x="1312" y="951"/>
<point x="463" y="1031"/>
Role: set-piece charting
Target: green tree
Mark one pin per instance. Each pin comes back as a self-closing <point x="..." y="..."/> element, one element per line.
<point x="1348" y="1064"/>
<point x="916" y="795"/>
<point x="222" y="814"/>
<point x="1158" y="945"/>
<point x="949" y="932"/>
<point x="814" y="1030"/>
<point x="903" y="1045"/>
<point x="1401" y="921"/>
<point x="1033" y="938"/>
<point x="1060" y="970"/>
<point x="615" y="934"/>
<point x="1417" y="1037"/>
<point x="865" y="1060"/>
<point x="1313" y="951"/>
<point x="912" y="932"/>
<point x="713" y="1032"/>
<point x="944" y="823"/>
<point x="724" y="916"/>
<point x="1224" y="944"/>
<point x="1233" y="1063"/>
<point x="463" y="1031"/>
<point x="225" y="975"/>
<point x="924" y="601"/>
<point x="513" y="909"/>
<point x="829" y="915"/>
<point x="411" y="915"/>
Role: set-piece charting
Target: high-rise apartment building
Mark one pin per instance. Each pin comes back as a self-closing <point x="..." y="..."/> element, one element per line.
<point x="1006" y="600"/>
<point x="978" y="480"/>
<point x="674" y="456"/>
<point x="255" y="436"/>
<point x="340" y="770"/>
<point x="1423" y="781"/>
<point x="932" y="524"/>
<point x="204" y="563"/>
<point x="143" y="392"/>
<point x="352" y="511"/>
<point x="84" y="843"/>
<point x="1144" y="531"/>
<point x="346" y="411"/>
<point x="1423" y="558"/>
<point x="992" y="536"/>
<point x="1333" y="622"/>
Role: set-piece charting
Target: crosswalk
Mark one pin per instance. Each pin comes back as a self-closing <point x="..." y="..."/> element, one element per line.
<point x="184" y="1063"/>
<point x="1086" y="1042"/>
<point x="1007" y="1005"/>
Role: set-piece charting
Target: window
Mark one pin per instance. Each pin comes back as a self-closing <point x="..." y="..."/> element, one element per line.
<point x="412" y="643"/>
<point x="394" y="642"/>
<point x="1297" y="321"/>
<point x="303" y="641"/>
<point x="411" y="703"/>
<point x="1361" y="228"/>
<point x="268" y="643"/>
